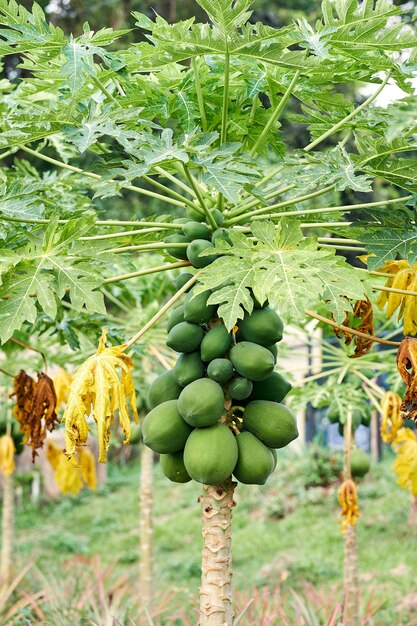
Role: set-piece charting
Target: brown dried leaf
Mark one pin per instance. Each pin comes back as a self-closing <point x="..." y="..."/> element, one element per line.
<point x="407" y="368"/>
<point x="35" y="408"/>
<point x="363" y="311"/>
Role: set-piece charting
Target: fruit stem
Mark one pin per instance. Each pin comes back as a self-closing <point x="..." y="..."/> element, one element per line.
<point x="216" y="594"/>
<point x="200" y="198"/>
<point x="158" y="245"/>
<point x="162" y="311"/>
<point x="150" y="270"/>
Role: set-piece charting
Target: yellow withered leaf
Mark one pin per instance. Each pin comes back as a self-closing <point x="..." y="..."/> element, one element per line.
<point x="391" y="418"/>
<point x="405" y="464"/>
<point x="62" y="382"/>
<point x="7" y="452"/>
<point x="348" y="500"/>
<point x="99" y="390"/>
<point x="72" y="475"/>
<point x="403" y="277"/>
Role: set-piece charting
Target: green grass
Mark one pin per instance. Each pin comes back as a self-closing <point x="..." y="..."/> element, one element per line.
<point x="305" y="545"/>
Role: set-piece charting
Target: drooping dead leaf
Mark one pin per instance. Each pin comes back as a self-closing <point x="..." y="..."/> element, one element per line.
<point x="391" y="418"/>
<point x="62" y="381"/>
<point x="72" y="475"/>
<point x="35" y="408"/>
<point x="7" y="452"/>
<point x="362" y="320"/>
<point x="407" y="367"/>
<point x="404" y="277"/>
<point x="405" y="464"/>
<point x="98" y="391"/>
<point x="348" y="500"/>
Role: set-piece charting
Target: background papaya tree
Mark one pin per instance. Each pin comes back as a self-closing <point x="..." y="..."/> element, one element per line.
<point x="194" y="117"/>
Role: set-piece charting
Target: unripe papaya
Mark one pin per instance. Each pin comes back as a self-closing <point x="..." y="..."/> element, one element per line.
<point x="332" y="414"/>
<point x="262" y="326"/>
<point x="274" y="351"/>
<point x="220" y="370"/>
<point x="196" y="216"/>
<point x="255" y="461"/>
<point x="201" y="403"/>
<point x="273" y="388"/>
<point x="188" y="368"/>
<point x="210" y="454"/>
<point x="273" y="423"/>
<point x="185" y="337"/>
<point x="252" y="361"/>
<point x="196" y="308"/>
<point x="215" y="343"/>
<point x="196" y="230"/>
<point x="182" y="279"/>
<point x="163" y="388"/>
<point x="275" y="457"/>
<point x="176" y="317"/>
<point x="221" y="233"/>
<point x="173" y="467"/>
<point x="135" y="435"/>
<point x="193" y="252"/>
<point x="366" y="416"/>
<point x="180" y="252"/>
<point x="359" y="463"/>
<point x="240" y="388"/>
<point x="164" y="430"/>
<point x="218" y="216"/>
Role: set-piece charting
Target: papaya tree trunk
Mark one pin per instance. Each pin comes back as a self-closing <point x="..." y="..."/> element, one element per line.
<point x="7" y="530"/>
<point x="216" y="596"/>
<point x="145" y="526"/>
<point x="351" y="583"/>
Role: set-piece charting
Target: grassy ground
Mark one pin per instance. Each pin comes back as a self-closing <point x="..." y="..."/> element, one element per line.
<point x="283" y="534"/>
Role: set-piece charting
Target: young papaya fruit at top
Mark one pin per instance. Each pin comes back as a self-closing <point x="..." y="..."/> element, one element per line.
<point x="196" y="230"/>
<point x="216" y="343"/>
<point x="196" y="216"/>
<point x="188" y="368"/>
<point x="210" y="454"/>
<point x="196" y="308"/>
<point x="176" y="317"/>
<point x="173" y="467"/>
<point x="218" y="216"/>
<point x="262" y="326"/>
<point x="220" y="370"/>
<point x="255" y="461"/>
<point x="182" y="279"/>
<point x="359" y="463"/>
<point x="239" y="388"/>
<point x="181" y="251"/>
<point x="185" y="337"/>
<point x="273" y="423"/>
<point x="273" y="388"/>
<point x="332" y="414"/>
<point x="163" y="388"/>
<point x="201" y="403"/>
<point x="221" y="233"/>
<point x="164" y="430"/>
<point x="193" y="253"/>
<point x="252" y="361"/>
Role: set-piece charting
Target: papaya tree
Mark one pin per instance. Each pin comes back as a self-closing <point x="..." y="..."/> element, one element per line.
<point x="194" y="120"/>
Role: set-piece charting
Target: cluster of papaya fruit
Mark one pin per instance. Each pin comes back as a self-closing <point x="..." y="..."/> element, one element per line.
<point x="218" y="412"/>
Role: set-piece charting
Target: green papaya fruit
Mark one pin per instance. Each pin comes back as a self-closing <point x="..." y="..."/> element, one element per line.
<point x="201" y="403"/>
<point x="163" y="388"/>
<point x="176" y="317"/>
<point x="255" y="461"/>
<point x="273" y="350"/>
<point x="252" y="361"/>
<point x="196" y="308"/>
<point x="218" y="216"/>
<point x="220" y="370"/>
<point x="164" y="430"/>
<point x="196" y="216"/>
<point x="221" y="233"/>
<point x="193" y="252"/>
<point x="216" y="343"/>
<point x="196" y="230"/>
<point x="181" y="220"/>
<point x="240" y="388"/>
<point x="135" y="434"/>
<point x="173" y="467"/>
<point x="366" y="416"/>
<point x="273" y="423"/>
<point x="359" y="463"/>
<point x="210" y="454"/>
<point x="262" y="326"/>
<point x="273" y="388"/>
<point x="188" y="368"/>
<point x="275" y="457"/>
<point x="185" y="337"/>
<point x="182" y="279"/>
<point x="332" y="414"/>
<point x="181" y="251"/>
